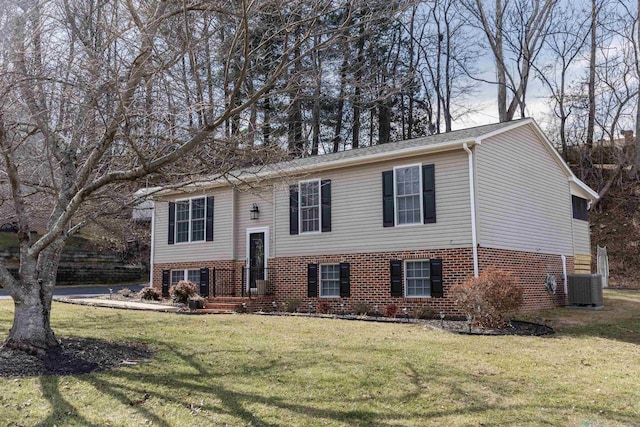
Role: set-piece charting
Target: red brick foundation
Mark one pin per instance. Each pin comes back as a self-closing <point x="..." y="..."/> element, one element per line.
<point x="531" y="270"/>
<point x="370" y="281"/>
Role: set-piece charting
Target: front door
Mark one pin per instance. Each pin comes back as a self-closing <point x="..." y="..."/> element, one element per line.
<point x="256" y="258"/>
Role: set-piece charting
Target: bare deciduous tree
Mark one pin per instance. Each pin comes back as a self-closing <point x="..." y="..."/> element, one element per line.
<point x="96" y="95"/>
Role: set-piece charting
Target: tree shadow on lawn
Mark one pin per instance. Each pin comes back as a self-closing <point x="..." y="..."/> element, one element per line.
<point x="429" y="392"/>
<point x="61" y="410"/>
<point x="472" y="395"/>
<point x="232" y="403"/>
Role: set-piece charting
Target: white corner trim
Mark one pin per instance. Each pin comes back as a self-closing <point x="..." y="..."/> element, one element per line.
<point x="152" y="250"/>
<point x="249" y="230"/>
<point x="472" y="197"/>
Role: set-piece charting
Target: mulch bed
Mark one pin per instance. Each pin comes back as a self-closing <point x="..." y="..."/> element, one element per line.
<point x="74" y="356"/>
<point x="516" y="327"/>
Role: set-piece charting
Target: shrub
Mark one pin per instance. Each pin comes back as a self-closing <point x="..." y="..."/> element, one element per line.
<point x="361" y="308"/>
<point x="390" y="310"/>
<point x="292" y="305"/>
<point x="125" y="292"/>
<point x="324" y="307"/>
<point x="182" y="291"/>
<point x="490" y="299"/>
<point x="150" y="294"/>
<point x="426" y="312"/>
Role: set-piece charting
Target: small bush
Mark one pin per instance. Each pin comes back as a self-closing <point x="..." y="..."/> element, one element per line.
<point x="324" y="307"/>
<point x="292" y="305"/>
<point x="361" y="308"/>
<point x="426" y="312"/>
<point x="150" y="294"/>
<point x="182" y="291"/>
<point x="390" y="310"/>
<point x="490" y="299"/>
<point x="125" y="292"/>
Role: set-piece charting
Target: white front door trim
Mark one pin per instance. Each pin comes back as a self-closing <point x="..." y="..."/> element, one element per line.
<point x="247" y="264"/>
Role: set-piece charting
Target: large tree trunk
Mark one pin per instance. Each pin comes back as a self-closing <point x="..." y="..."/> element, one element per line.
<point x="32" y="295"/>
<point x="31" y="329"/>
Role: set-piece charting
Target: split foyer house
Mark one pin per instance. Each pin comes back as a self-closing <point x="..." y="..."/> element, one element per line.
<point x="396" y="223"/>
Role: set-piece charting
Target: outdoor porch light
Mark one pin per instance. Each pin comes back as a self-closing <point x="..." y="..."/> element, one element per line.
<point x="254" y="212"/>
<point x="275" y="305"/>
<point x="442" y="314"/>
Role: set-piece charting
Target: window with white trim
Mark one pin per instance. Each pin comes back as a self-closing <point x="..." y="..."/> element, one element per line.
<point x="330" y="280"/>
<point x="408" y="195"/>
<point x="190" y="220"/>
<point x="310" y="206"/>
<point x="417" y="278"/>
<point x="190" y="275"/>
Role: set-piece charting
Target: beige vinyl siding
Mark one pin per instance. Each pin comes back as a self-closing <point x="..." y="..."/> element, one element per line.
<point x="244" y="201"/>
<point x="356" y="212"/>
<point x="219" y="249"/>
<point x="581" y="238"/>
<point x="523" y="198"/>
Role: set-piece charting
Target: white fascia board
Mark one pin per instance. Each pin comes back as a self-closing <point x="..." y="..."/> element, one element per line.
<point x="515" y="125"/>
<point x="582" y="189"/>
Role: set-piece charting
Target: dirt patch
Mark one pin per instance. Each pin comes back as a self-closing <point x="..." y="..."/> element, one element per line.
<point x="74" y="356"/>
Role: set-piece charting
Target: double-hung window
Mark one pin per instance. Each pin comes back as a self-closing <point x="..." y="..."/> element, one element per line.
<point x="190" y="220"/>
<point x="417" y="278"/>
<point x="310" y="206"/>
<point x="190" y="275"/>
<point x="329" y="280"/>
<point x="408" y="195"/>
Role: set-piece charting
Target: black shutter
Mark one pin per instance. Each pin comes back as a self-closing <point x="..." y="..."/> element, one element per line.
<point x="204" y="282"/>
<point x="209" y="230"/>
<point x="429" y="193"/>
<point x="325" y="197"/>
<point x="345" y="280"/>
<point x="396" y="277"/>
<point x="172" y="222"/>
<point x="312" y="280"/>
<point x="165" y="283"/>
<point x="293" y="209"/>
<point x="436" y="278"/>
<point x="580" y="208"/>
<point x="387" y="199"/>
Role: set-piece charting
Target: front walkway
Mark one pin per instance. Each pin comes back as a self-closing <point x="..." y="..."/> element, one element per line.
<point x="128" y="305"/>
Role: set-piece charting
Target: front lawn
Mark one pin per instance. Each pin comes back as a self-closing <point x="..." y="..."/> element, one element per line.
<point x="281" y="371"/>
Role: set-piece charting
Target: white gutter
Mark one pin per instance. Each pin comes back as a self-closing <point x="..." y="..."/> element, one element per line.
<point x="472" y="196"/>
<point x="151" y="252"/>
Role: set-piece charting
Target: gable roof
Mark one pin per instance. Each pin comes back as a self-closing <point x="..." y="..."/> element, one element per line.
<point x="392" y="150"/>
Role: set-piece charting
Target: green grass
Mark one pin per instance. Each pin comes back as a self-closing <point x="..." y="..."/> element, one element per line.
<point x="280" y="371"/>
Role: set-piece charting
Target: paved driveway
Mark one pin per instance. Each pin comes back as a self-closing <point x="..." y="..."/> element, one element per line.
<point x="84" y="291"/>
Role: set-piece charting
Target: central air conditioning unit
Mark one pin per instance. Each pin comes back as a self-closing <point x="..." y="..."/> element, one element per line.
<point x="585" y="289"/>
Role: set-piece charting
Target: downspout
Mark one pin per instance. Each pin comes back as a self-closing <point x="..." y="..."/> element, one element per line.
<point x="472" y="197"/>
<point x="564" y="274"/>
